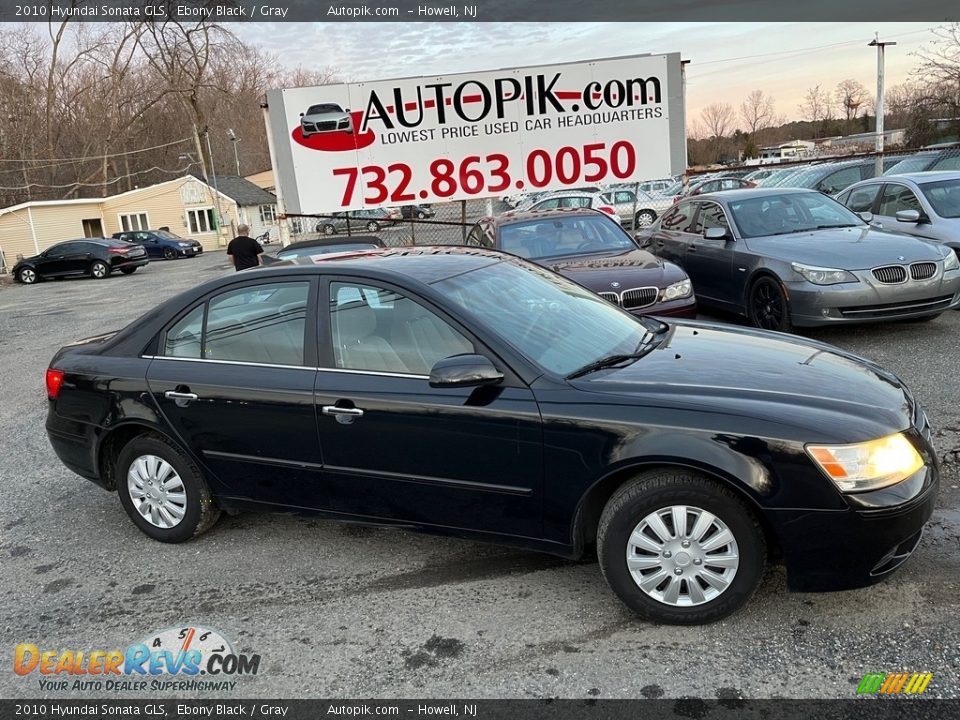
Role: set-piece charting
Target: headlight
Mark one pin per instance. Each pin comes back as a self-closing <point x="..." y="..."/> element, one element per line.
<point x="677" y="290"/>
<point x="950" y="262"/>
<point x="184" y="244"/>
<point x="823" y="276"/>
<point x="869" y="465"/>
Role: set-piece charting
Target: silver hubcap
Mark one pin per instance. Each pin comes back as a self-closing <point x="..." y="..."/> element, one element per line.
<point x="644" y="220"/>
<point x="157" y="491"/>
<point x="28" y="276"/>
<point x="682" y="556"/>
<point x="99" y="271"/>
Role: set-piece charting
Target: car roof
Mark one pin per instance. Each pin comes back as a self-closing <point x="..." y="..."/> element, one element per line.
<point x="426" y="263"/>
<point x="323" y="242"/>
<point x="517" y="216"/>
<point x="748" y="192"/>
<point x="921" y="177"/>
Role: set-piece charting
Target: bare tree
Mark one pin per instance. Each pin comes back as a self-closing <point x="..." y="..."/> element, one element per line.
<point x="757" y="112"/>
<point x="939" y="71"/>
<point x="851" y="96"/>
<point x="816" y="107"/>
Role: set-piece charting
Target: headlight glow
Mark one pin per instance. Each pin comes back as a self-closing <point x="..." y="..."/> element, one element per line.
<point x="823" y="276"/>
<point x="950" y="262"/>
<point x="870" y="465"/>
<point x="184" y="244"/>
<point x="677" y="290"/>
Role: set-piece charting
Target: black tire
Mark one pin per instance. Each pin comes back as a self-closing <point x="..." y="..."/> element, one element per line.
<point x="28" y="276"/>
<point x="655" y="490"/>
<point x="327" y="229"/>
<point x="99" y="270"/>
<point x="201" y="512"/>
<point x="128" y="270"/>
<point x="767" y="305"/>
<point x="421" y="215"/>
<point x="645" y="218"/>
<point x="169" y="254"/>
<point x="373" y="226"/>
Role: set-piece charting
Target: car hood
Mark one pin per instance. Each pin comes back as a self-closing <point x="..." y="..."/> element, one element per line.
<point x="631" y="269"/>
<point x="857" y="248"/>
<point x="827" y="394"/>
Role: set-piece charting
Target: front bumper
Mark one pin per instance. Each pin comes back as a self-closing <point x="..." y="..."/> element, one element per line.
<point x="680" y="308"/>
<point x="845" y="549"/>
<point x="869" y="301"/>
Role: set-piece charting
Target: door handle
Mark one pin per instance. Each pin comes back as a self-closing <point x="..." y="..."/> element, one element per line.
<point x="174" y="395"/>
<point x="692" y="248"/>
<point x="342" y="411"/>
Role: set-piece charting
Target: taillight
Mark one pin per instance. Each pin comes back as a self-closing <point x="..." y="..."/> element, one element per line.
<point x="118" y="250"/>
<point x="607" y="209"/>
<point x="54" y="382"/>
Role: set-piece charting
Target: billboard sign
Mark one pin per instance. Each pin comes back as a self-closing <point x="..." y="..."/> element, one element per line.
<point x="472" y="135"/>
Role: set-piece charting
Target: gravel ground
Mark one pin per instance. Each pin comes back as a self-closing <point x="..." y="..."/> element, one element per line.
<point x="338" y="611"/>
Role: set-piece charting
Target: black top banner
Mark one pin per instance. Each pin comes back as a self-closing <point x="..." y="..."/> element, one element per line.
<point x="225" y="11"/>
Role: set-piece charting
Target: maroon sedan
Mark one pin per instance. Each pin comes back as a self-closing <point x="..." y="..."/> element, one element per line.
<point x="589" y="248"/>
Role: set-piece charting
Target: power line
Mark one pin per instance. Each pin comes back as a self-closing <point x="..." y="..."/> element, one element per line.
<point x="92" y="158"/>
<point x="115" y="180"/>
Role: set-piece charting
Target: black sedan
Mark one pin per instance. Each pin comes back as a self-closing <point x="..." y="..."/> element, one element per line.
<point x="471" y="393"/>
<point x="788" y="258"/>
<point x="94" y="257"/>
<point x="420" y="212"/>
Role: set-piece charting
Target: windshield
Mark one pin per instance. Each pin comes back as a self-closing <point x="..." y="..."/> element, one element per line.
<point x="321" y="109"/>
<point x="559" y="236"/>
<point x="944" y="197"/>
<point x="324" y="250"/>
<point x="914" y="164"/>
<point x="554" y="322"/>
<point x="168" y="235"/>
<point x="790" y="213"/>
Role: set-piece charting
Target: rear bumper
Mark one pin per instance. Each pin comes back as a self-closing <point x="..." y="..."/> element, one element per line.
<point x="74" y="443"/>
<point x="133" y="263"/>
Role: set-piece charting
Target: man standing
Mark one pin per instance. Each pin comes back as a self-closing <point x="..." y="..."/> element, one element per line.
<point x="244" y="250"/>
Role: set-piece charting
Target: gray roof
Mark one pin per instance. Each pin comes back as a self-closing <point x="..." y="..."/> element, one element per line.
<point x="242" y="191"/>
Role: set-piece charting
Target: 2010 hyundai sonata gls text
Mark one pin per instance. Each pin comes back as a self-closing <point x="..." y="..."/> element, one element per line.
<point x="471" y="393"/>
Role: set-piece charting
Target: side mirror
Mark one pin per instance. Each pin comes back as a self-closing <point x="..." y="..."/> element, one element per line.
<point x="908" y="216"/>
<point x="716" y="233"/>
<point x="867" y="217"/>
<point x="643" y="239"/>
<point x="301" y="114"/>
<point x="464" y="371"/>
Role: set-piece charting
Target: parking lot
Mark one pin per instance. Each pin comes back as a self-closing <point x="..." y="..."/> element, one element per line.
<point x="339" y="611"/>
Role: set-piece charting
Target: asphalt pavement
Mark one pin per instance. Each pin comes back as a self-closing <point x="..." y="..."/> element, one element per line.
<point x="341" y="611"/>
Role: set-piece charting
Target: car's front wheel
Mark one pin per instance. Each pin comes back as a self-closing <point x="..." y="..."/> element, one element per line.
<point x="679" y="548"/>
<point x="169" y="254"/>
<point x="28" y="276"/>
<point x="162" y="490"/>
<point x="99" y="269"/>
<point x="327" y="229"/>
<point x="767" y="306"/>
<point x="373" y="226"/>
<point x="646" y="218"/>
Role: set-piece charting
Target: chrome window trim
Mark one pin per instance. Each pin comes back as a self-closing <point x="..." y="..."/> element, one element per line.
<point x="287" y="367"/>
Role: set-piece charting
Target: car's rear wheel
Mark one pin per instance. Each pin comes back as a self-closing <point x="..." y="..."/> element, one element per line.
<point x="421" y="215"/>
<point x="373" y="226"/>
<point x="328" y="229"/>
<point x="767" y="305"/>
<point x="128" y="270"/>
<point x="169" y="253"/>
<point x="99" y="269"/>
<point x="646" y="218"/>
<point x="28" y="276"/>
<point x="162" y="490"/>
<point x="679" y="548"/>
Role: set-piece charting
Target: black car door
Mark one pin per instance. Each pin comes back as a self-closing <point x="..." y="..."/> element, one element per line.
<point x="675" y="233"/>
<point x="234" y="376"/>
<point x="709" y="262"/>
<point x="51" y="262"/>
<point x="80" y="255"/>
<point x="393" y="446"/>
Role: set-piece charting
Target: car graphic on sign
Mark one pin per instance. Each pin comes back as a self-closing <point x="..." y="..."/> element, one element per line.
<point x="323" y="118"/>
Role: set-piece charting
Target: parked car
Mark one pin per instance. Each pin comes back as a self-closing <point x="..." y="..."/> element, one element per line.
<point x="583" y="245"/>
<point x="161" y="243"/>
<point x="636" y="208"/>
<point x="325" y="246"/>
<point x="715" y="184"/>
<point x="925" y="205"/>
<point x="325" y="117"/>
<point x="786" y="258"/>
<point x="776" y="175"/>
<point x="655" y="187"/>
<point x="757" y="175"/>
<point x="464" y="392"/>
<point x="832" y="177"/>
<point x="943" y="159"/>
<point x="371" y="220"/>
<point x="96" y="257"/>
<point x="574" y="199"/>
<point x="420" y="212"/>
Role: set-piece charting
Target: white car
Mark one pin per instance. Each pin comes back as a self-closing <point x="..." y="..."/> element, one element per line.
<point x="323" y="118"/>
<point x="636" y="208"/>
<point x="571" y="199"/>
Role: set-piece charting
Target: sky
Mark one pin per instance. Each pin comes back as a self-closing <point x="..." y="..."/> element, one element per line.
<point x="728" y="60"/>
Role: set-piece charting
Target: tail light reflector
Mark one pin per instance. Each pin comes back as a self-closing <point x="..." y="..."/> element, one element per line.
<point x="118" y="250"/>
<point x="607" y="209"/>
<point x="54" y="382"/>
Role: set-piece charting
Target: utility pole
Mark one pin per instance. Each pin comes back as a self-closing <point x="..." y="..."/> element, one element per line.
<point x="878" y="170"/>
<point x="235" y="140"/>
<point x="216" y="191"/>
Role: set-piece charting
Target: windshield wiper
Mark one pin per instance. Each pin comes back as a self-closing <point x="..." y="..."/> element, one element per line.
<point x="608" y="361"/>
<point x="836" y="225"/>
